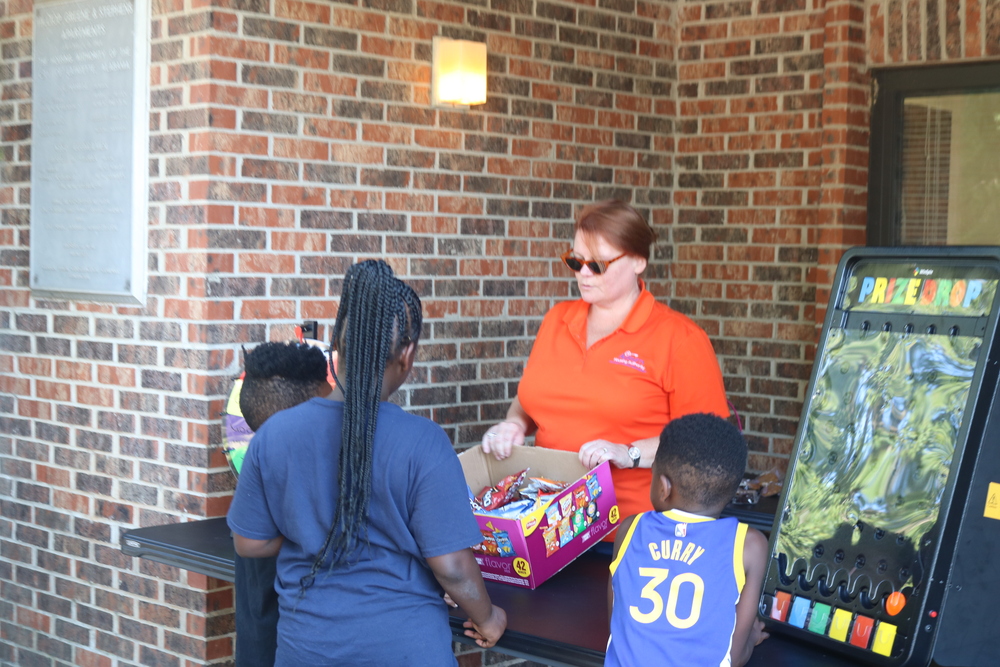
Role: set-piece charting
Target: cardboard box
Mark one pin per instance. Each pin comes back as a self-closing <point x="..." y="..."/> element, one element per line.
<point x="528" y="550"/>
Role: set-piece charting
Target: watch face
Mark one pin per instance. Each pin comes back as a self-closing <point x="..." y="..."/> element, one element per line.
<point x="634" y="454"/>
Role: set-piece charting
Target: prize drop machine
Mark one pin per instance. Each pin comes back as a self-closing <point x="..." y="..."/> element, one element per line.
<point x="887" y="543"/>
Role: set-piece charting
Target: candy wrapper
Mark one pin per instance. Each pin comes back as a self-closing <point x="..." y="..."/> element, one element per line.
<point x="502" y="492"/>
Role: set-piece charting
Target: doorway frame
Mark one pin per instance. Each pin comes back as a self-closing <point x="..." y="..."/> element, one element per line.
<point x="890" y="87"/>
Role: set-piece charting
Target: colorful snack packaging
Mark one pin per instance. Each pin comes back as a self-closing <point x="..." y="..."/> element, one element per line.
<point x="580" y="495"/>
<point x="566" y="533"/>
<point x="476" y="507"/>
<point x="510" y="510"/>
<point x="536" y="487"/>
<point x="546" y="498"/>
<point x="551" y="535"/>
<point x="566" y="504"/>
<point x="504" y="547"/>
<point x="592" y="512"/>
<point x="552" y="514"/>
<point x="498" y="495"/>
<point x="488" y="546"/>
<point x="594" y="487"/>
<point x="579" y="521"/>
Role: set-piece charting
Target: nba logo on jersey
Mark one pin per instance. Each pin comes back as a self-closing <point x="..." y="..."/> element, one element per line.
<point x="681" y="530"/>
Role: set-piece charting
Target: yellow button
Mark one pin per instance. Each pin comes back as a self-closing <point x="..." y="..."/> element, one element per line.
<point x="840" y="625"/>
<point x="885" y="634"/>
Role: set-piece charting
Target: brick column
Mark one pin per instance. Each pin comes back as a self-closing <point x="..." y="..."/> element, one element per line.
<point x="844" y="166"/>
<point x="748" y="185"/>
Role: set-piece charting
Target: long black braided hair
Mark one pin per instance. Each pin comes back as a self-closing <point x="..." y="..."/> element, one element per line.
<point x="379" y="316"/>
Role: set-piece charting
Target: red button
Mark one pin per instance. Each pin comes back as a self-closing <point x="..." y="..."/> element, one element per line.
<point x="861" y="635"/>
<point x="895" y="603"/>
<point x="782" y="603"/>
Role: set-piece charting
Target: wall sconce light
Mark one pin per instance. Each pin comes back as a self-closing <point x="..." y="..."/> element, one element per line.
<point x="458" y="72"/>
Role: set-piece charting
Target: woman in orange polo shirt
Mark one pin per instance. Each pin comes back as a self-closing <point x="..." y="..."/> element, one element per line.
<point x="609" y="370"/>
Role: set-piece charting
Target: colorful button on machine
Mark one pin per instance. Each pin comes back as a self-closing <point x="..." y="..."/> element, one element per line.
<point x="895" y="603"/>
<point x="838" y="624"/>
<point x="861" y="634"/>
<point x="818" y="619"/>
<point x="800" y="610"/>
<point x="885" y="634"/>
<point x="782" y="603"/>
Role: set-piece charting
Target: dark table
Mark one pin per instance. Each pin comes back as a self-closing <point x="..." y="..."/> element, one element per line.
<point x="562" y="622"/>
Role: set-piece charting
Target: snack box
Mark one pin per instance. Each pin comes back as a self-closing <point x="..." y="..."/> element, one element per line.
<point x="528" y="550"/>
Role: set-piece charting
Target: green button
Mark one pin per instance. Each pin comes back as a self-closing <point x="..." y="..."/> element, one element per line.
<point x="820" y="616"/>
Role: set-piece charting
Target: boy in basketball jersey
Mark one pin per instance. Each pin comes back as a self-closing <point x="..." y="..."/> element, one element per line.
<point x="685" y="584"/>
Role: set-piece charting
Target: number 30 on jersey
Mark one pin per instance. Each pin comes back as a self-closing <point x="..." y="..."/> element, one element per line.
<point x="695" y="588"/>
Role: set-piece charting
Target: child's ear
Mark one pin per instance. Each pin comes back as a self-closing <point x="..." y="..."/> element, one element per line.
<point x="665" y="488"/>
<point x="406" y="358"/>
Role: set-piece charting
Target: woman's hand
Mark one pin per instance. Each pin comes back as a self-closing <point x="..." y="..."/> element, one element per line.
<point x="596" y="452"/>
<point x="501" y="439"/>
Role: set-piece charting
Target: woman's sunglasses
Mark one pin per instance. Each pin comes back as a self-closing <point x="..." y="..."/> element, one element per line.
<point x="597" y="266"/>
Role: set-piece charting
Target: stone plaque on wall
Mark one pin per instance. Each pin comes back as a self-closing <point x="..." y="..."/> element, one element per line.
<point x="89" y="149"/>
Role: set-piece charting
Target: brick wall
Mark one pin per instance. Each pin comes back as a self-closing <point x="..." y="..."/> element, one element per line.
<point x="771" y="158"/>
<point x="914" y="32"/>
<point x="288" y="140"/>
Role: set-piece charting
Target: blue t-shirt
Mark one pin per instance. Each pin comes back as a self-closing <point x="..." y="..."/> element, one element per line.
<point x="676" y="581"/>
<point x="385" y="606"/>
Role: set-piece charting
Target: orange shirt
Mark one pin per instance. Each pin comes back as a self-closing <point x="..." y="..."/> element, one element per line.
<point x="657" y="366"/>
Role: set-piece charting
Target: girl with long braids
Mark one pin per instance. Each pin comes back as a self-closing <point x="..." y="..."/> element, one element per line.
<point x="365" y="505"/>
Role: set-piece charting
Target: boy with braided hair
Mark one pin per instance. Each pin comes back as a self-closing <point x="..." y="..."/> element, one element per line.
<point x="277" y="376"/>
<point x="365" y="505"/>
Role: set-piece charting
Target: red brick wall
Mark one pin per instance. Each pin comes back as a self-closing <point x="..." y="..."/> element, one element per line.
<point x="909" y="32"/>
<point x="288" y="140"/>
<point x="771" y="158"/>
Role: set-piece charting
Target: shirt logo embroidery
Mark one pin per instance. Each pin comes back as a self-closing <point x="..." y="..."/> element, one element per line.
<point x="630" y="359"/>
<point x="681" y="530"/>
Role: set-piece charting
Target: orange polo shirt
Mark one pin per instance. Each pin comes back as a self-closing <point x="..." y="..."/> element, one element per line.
<point x="657" y="366"/>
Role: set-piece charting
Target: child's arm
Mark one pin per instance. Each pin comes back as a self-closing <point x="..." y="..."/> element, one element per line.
<point x="619" y="538"/>
<point x="460" y="577"/>
<point x="749" y="630"/>
<point x="249" y="548"/>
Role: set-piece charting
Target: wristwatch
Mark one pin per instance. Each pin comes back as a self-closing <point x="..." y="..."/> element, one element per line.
<point x="635" y="454"/>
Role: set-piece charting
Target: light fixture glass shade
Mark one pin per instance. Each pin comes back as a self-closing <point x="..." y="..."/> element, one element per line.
<point x="458" y="72"/>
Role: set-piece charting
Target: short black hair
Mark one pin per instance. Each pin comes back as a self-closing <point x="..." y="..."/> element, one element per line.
<point x="704" y="456"/>
<point x="278" y="376"/>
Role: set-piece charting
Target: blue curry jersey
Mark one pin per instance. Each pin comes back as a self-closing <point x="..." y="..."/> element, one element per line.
<point x="676" y="581"/>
